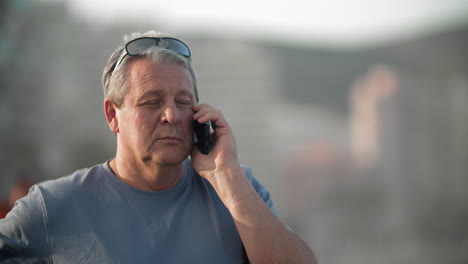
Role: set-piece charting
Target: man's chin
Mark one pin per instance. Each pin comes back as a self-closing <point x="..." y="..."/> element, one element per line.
<point x="168" y="158"/>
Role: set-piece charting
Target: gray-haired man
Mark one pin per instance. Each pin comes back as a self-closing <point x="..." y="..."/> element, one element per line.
<point x="150" y="203"/>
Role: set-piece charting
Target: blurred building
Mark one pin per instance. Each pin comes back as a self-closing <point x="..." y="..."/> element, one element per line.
<point x="396" y="187"/>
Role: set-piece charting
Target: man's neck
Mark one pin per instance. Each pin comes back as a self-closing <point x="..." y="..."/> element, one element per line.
<point x="147" y="176"/>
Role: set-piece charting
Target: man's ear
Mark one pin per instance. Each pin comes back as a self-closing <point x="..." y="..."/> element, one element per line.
<point x="110" y="110"/>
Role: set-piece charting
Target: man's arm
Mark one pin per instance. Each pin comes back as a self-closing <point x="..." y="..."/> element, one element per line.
<point x="265" y="238"/>
<point x="22" y="232"/>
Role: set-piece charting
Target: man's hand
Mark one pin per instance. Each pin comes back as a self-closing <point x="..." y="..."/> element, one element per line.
<point x="223" y="154"/>
<point x="221" y="166"/>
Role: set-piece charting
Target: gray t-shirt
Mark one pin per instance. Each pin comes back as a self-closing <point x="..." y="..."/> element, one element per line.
<point x="91" y="216"/>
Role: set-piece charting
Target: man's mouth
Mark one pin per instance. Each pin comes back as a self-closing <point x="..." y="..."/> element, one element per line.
<point x="170" y="139"/>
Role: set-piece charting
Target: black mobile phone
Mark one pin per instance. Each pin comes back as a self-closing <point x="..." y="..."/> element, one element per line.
<point x="202" y="136"/>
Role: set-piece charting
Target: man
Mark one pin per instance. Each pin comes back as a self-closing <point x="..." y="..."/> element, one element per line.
<point x="151" y="204"/>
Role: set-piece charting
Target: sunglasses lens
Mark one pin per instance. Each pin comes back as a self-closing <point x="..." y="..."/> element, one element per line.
<point x="139" y="46"/>
<point x="178" y="47"/>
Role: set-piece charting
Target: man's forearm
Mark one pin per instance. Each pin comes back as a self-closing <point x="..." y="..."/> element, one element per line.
<point x="265" y="238"/>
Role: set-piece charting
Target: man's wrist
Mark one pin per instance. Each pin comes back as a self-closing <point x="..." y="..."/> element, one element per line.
<point x="231" y="185"/>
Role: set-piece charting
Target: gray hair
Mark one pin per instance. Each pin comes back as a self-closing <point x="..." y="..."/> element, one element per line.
<point x="114" y="81"/>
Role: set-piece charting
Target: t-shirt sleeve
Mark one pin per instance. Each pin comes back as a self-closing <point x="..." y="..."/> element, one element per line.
<point x="22" y="232"/>
<point x="261" y="190"/>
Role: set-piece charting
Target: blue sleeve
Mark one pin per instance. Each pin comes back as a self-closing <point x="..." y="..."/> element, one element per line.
<point x="23" y="231"/>
<point x="263" y="193"/>
<point x="261" y="190"/>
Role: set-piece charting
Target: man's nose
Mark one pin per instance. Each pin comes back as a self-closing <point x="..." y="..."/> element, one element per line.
<point x="170" y="114"/>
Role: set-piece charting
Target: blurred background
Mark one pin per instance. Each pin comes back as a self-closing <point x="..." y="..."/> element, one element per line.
<point x="354" y="114"/>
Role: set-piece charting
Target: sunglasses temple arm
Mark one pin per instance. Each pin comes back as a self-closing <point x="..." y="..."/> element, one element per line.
<point x="119" y="61"/>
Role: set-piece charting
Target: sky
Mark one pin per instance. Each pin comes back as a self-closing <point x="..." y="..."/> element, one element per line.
<point x="342" y="22"/>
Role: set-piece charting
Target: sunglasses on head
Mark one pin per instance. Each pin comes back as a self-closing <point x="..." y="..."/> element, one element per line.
<point x="141" y="45"/>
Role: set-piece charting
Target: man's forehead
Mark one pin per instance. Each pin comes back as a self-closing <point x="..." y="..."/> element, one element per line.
<point x="159" y="93"/>
<point x="147" y="69"/>
<point x="146" y="75"/>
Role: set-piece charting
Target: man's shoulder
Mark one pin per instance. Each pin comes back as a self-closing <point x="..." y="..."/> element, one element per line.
<point x="70" y="183"/>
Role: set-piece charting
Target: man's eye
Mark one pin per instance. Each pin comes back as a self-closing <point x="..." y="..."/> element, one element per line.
<point x="184" y="102"/>
<point x="153" y="102"/>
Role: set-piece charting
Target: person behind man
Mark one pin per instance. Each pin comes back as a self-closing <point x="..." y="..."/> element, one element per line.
<point x="152" y="203"/>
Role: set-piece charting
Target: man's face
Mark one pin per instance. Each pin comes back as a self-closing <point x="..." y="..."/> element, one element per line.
<point x="155" y="121"/>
